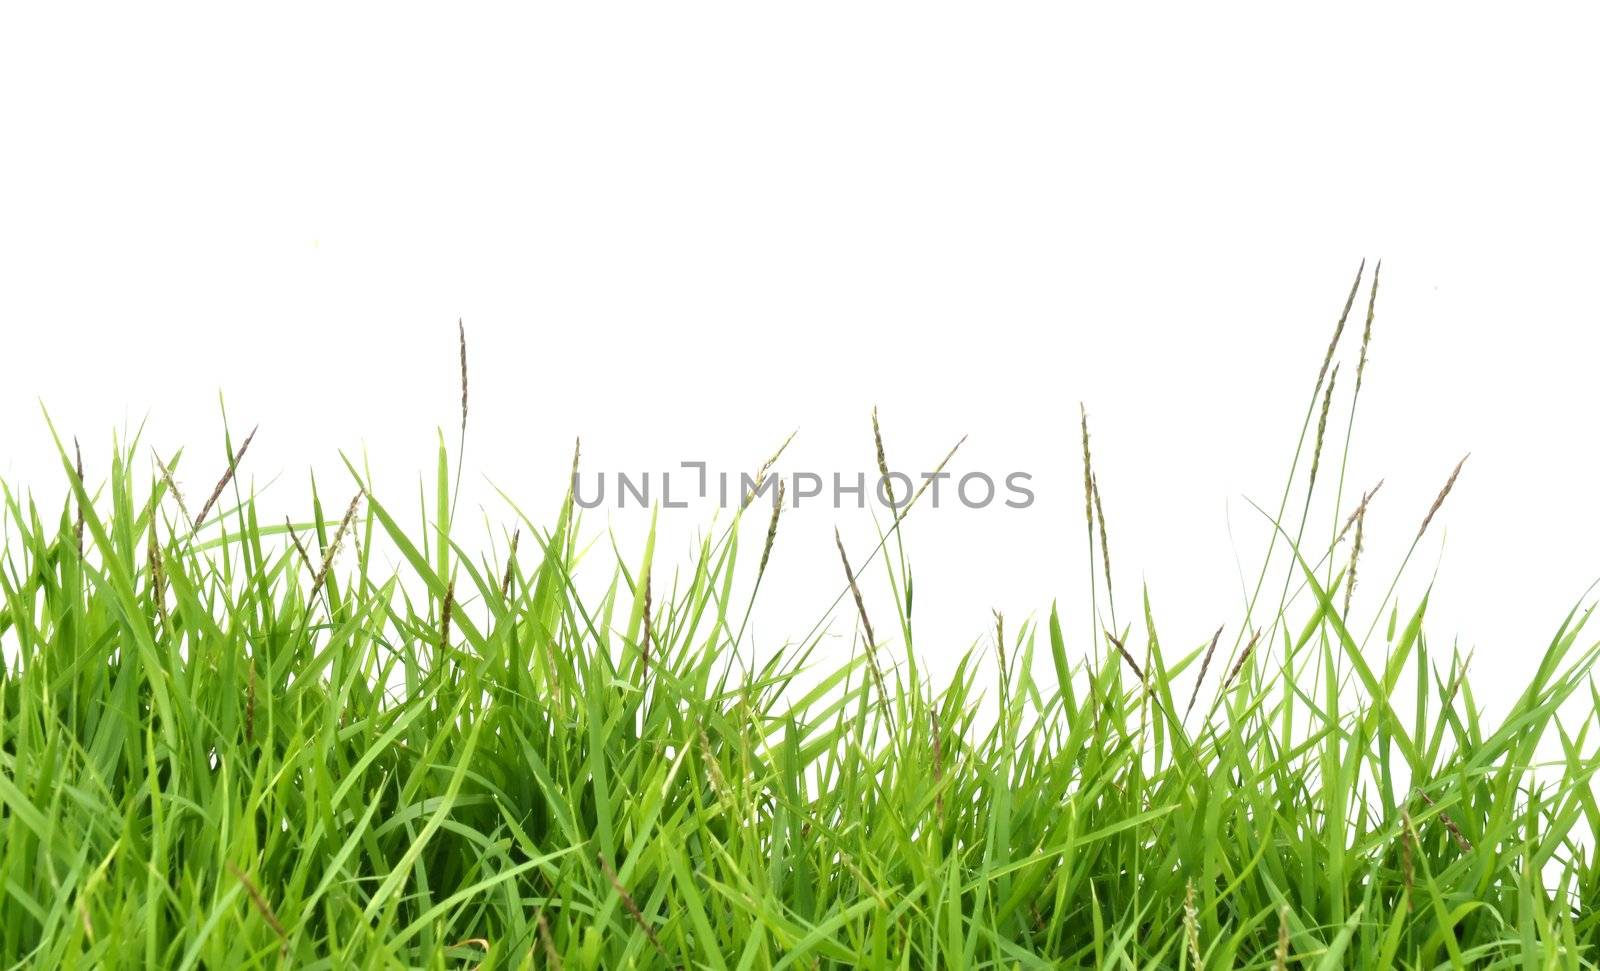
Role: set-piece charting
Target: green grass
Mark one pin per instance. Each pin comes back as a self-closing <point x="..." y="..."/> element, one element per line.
<point x="212" y="759"/>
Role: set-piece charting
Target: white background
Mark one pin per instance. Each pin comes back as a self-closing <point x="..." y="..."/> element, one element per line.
<point x="681" y="231"/>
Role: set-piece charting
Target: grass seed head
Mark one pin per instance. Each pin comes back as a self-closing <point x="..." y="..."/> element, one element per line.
<point x="577" y="451"/>
<point x="157" y="578"/>
<point x="866" y="625"/>
<point x="883" y="463"/>
<point x="77" y="525"/>
<point x="772" y="531"/>
<point x="1205" y="665"/>
<point x="719" y="782"/>
<point x="1407" y="851"/>
<point x="1460" y="838"/>
<point x="1455" y="684"/>
<point x="548" y="941"/>
<point x="1105" y="545"/>
<point x="1244" y="657"/>
<point x="260" y="903"/>
<point x="511" y="565"/>
<point x="461" y="330"/>
<point x="1355" y="556"/>
<point x="644" y="640"/>
<point x="1338" y="329"/>
<point x="233" y="464"/>
<point x="1280" y="961"/>
<point x="1088" y="474"/>
<point x="855" y="590"/>
<point x="1322" y="425"/>
<point x="1191" y="926"/>
<point x="632" y="906"/>
<point x="929" y="479"/>
<point x="761" y="472"/>
<point x="166" y="476"/>
<point x="1359" y="510"/>
<point x="333" y="547"/>
<point x="1449" y="484"/>
<point x="1000" y="638"/>
<point x="294" y="539"/>
<point x="1366" y="333"/>
<point x="1126" y="657"/>
<point x="445" y="610"/>
<point x="772" y="460"/>
<point x="250" y="702"/>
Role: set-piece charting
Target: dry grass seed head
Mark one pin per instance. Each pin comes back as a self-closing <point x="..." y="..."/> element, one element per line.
<point x="866" y="625"/>
<point x="233" y="464"/>
<point x="294" y="538"/>
<point x="260" y="903"/>
<point x="445" y="610"/>
<point x="333" y="547"/>
<point x="1205" y="665"/>
<point x="1449" y="484"/>
<point x="1238" y="666"/>
<point x="632" y="907"/>
<point x="855" y="590"/>
<point x="1460" y="838"/>
<point x="1138" y="671"/>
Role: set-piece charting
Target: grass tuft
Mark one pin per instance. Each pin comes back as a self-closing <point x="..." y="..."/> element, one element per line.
<point x="218" y="750"/>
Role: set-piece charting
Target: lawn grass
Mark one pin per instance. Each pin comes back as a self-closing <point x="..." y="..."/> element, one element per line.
<point x="244" y="744"/>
